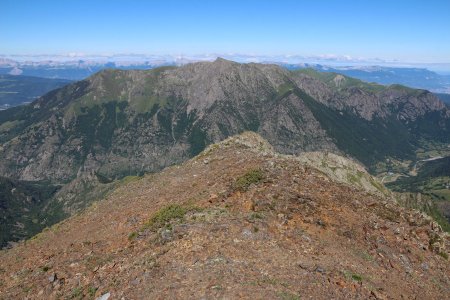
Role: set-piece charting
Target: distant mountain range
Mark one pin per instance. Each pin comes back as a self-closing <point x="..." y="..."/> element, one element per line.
<point x="118" y="123"/>
<point x="82" y="68"/>
<point x="71" y="70"/>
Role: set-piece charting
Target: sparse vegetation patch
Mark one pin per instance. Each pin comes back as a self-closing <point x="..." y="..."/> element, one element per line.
<point x="166" y="215"/>
<point x="251" y="177"/>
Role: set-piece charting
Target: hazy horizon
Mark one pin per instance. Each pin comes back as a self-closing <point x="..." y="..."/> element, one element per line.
<point x="408" y="32"/>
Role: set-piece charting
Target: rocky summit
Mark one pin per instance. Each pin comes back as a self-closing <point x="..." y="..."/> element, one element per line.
<point x="236" y="221"/>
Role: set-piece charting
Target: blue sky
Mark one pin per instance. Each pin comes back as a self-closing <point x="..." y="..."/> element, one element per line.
<point x="412" y="31"/>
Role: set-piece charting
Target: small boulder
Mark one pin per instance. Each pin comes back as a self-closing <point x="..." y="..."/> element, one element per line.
<point x="104" y="296"/>
<point x="52" y="278"/>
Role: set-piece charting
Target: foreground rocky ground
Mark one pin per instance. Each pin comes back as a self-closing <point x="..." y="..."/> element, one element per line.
<point x="237" y="221"/>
